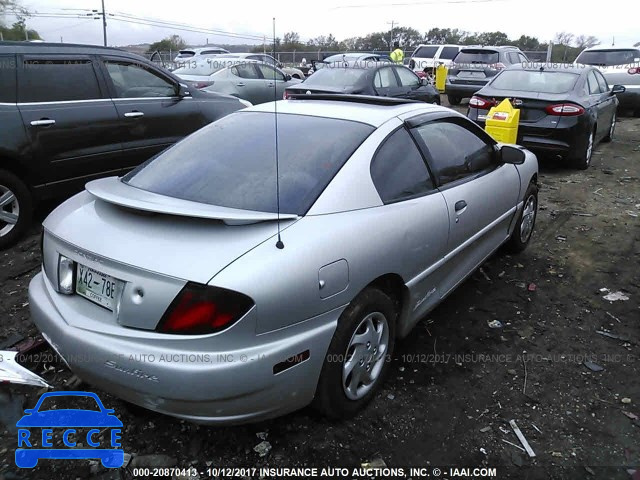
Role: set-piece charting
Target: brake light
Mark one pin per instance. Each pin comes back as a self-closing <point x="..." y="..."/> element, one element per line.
<point x="286" y="95"/>
<point x="480" y="103"/>
<point x="634" y="71"/>
<point x="498" y="66"/>
<point x="564" y="110"/>
<point x="200" y="309"/>
<point x="200" y="85"/>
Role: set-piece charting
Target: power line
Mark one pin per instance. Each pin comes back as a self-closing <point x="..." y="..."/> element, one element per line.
<point x="409" y="4"/>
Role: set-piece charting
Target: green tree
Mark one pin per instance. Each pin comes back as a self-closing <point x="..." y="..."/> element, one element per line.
<point x="19" y="31"/>
<point x="527" y="43"/>
<point x="171" y="43"/>
<point x="493" y="38"/>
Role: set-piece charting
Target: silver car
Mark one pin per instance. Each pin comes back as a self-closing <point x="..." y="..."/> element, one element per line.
<point x="225" y="285"/>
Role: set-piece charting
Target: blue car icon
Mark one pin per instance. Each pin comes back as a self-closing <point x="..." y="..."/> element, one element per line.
<point x="73" y="426"/>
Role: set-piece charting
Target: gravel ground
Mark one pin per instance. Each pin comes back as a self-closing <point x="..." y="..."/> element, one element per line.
<point x="456" y="382"/>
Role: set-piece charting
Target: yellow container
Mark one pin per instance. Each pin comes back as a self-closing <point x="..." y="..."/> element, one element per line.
<point x="502" y="122"/>
<point x="441" y="77"/>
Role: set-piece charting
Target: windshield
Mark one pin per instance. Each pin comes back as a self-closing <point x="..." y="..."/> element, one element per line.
<point x="607" y="58"/>
<point x="338" y="57"/>
<point x="231" y="162"/>
<point x="535" y="81"/>
<point x="336" y="75"/>
<point x="425" y="52"/>
<point x="488" y="57"/>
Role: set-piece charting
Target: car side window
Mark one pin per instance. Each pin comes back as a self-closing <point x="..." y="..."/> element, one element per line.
<point x="270" y="73"/>
<point x="137" y="81"/>
<point x="8" y="79"/>
<point x="455" y="152"/>
<point x="407" y="77"/>
<point x="385" y="78"/>
<point x="602" y="82"/>
<point x="522" y="58"/>
<point x="398" y="170"/>
<point x="594" y="88"/>
<point x="513" y="57"/>
<point x="58" y="80"/>
<point x="269" y="60"/>
<point x="245" y="71"/>
<point x="448" y="53"/>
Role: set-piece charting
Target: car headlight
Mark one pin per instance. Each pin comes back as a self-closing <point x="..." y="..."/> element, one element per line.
<point x="65" y="275"/>
<point x="245" y="102"/>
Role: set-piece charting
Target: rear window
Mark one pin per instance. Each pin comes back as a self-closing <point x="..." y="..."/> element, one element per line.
<point x="535" y="81"/>
<point x="449" y="53"/>
<point x="186" y="54"/>
<point x="607" y="58"/>
<point x="426" y="52"/>
<point x="231" y="162"/>
<point x="213" y="52"/>
<point x="203" y="68"/>
<point x="50" y="79"/>
<point x="477" y="56"/>
<point x="335" y="75"/>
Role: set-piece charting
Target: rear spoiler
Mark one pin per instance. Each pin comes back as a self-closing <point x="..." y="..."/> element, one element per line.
<point x="116" y="192"/>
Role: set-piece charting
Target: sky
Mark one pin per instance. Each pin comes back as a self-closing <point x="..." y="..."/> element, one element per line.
<point x="342" y="18"/>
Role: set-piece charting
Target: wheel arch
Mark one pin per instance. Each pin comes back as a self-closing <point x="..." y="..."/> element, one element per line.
<point x="394" y="286"/>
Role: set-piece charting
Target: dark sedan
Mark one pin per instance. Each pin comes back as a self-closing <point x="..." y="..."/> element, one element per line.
<point x="564" y="110"/>
<point x="367" y="78"/>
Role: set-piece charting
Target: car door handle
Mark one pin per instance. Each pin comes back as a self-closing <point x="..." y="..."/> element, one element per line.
<point x="43" y="122"/>
<point x="134" y="114"/>
<point x="270" y="85"/>
<point x="460" y="206"/>
<point x="240" y="84"/>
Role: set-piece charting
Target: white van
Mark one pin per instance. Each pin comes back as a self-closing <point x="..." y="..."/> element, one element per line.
<point x="430" y="56"/>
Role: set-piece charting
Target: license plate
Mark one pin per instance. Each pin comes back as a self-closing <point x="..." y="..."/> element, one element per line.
<point x="97" y="286"/>
<point x="472" y="74"/>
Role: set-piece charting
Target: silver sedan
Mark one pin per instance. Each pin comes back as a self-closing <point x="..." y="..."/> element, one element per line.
<point x="220" y="284"/>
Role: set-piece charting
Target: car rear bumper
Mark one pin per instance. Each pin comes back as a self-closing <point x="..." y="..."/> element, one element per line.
<point x="230" y="387"/>
<point x="461" y="90"/>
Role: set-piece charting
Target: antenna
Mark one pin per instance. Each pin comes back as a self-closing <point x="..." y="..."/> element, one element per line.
<point x="279" y="243"/>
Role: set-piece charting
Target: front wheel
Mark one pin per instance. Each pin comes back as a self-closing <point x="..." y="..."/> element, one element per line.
<point x="526" y="221"/>
<point x="454" y="100"/>
<point x="16" y="209"/>
<point x="612" y="129"/>
<point x="359" y="355"/>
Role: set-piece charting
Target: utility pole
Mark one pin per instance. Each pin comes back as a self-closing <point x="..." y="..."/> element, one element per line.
<point x="392" y="23"/>
<point x="104" y="25"/>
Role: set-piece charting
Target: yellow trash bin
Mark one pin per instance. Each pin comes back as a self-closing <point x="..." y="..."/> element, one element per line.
<point x="502" y="122"/>
<point x="441" y="77"/>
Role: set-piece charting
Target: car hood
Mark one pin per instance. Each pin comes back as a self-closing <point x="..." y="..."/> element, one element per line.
<point x="173" y="239"/>
<point x="69" y="418"/>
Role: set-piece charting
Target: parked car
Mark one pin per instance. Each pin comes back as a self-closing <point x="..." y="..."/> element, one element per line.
<point x="367" y="78"/>
<point x="348" y="58"/>
<point x="473" y="67"/>
<point x="250" y="80"/>
<point x="198" y="53"/>
<point x="426" y="58"/>
<point x="620" y="66"/>
<point x="198" y="74"/>
<point x="565" y="110"/>
<point x="269" y="60"/>
<point x="257" y="323"/>
<point x="72" y="113"/>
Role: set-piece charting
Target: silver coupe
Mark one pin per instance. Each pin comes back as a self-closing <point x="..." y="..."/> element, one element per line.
<point x="220" y="283"/>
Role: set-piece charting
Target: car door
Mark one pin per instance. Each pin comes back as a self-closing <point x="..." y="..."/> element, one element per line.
<point x="71" y="122"/>
<point x="151" y="115"/>
<point x="385" y="83"/>
<point x="480" y="191"/>
<point x="600" y="104"/>
<point x="274" y="79"/>
<point x="408" y="191"/>
<point x="410" y="85"/>
<point x="248" y="83"/>
<point x="609" y="104"/>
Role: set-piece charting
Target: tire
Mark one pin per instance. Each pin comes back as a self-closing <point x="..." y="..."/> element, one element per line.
<point x="453" y="100"/>
<point x="612" y="129"/>
<point x="583" y="159"/>
<point x="340" y="394"/>
<point x="16" y="209"/>
<point x="526" y="221"/>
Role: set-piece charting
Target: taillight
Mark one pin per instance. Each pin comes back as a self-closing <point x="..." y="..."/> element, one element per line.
<point x="634" y="71"/>
<point x="564" y="110"/>
<point x="286" y="95"/>
<point x="201" y="84"/>
<point x="480" y="103"/>
<point x="200" y="309"/>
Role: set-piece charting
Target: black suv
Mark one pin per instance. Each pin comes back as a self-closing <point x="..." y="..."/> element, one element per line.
<point x="72" y="113"/>
<point x="473" y="67"/>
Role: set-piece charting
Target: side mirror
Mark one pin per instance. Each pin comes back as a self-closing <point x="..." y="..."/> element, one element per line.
<point x="287" y="77"/>
<point x="618" y="89"/>
<point x="182" y="91"/>
<point x="280" y="65"/>
<point x="513" y="155"/>
<point x="424" y="81"/>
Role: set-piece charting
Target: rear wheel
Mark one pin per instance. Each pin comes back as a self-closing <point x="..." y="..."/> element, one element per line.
<point x="454" y="100"/>
<point x="16" y="208"/>
<point x="526" y="221"/>
<point x="582" y="160"/>
<point x="612" y="129"/>
<point x="358" y="357"/>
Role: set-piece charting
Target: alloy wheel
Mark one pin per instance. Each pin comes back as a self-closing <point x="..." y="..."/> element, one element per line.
<point x="589" y="149"/>
<point x="9" y="210"/>
<point x="528" y="219"/>
<point x="613" y="126"/>
<point x="365" y="356"/>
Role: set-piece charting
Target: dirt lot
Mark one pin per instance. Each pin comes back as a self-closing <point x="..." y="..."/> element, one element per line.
<point x="456" y="382"/>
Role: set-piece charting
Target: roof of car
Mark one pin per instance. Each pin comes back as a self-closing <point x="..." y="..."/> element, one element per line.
<point x="357" y="108"/>
<point x="50" y="47"/>
<point x="612" y="47"/>
<point x="490" y="47"/>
